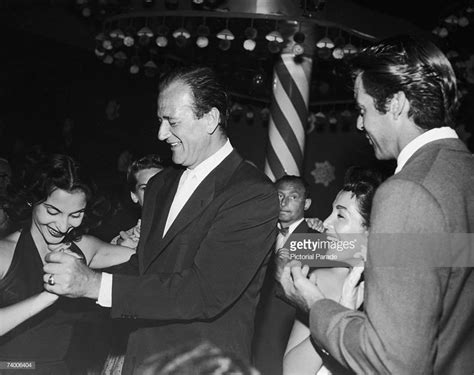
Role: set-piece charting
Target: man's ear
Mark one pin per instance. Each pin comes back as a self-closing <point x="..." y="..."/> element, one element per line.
<point x="213" y="117"/>
<point x="307" y="203"/>
<point x="134" y="197"/>
<point x="399" y="105"/>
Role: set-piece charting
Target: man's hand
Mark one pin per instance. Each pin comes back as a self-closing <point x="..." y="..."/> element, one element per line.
<point x="69" y="276"/>
<point x="300" y="290"/>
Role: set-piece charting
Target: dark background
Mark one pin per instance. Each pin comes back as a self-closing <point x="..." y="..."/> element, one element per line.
<point x="50" y="75"/>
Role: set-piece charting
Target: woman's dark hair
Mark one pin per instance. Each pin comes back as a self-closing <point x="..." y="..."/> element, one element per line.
<point x="146" y="162"/>
<point x="362" y="182"/>
<point x="416" y="67"/>
<point x="207" y="90"/>
<point x="42" y="177"/>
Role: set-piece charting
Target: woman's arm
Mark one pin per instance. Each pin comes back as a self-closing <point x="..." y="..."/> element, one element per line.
<point x="302" y="359"/>
<point x="15" y="314"/>
<point x="100" y="254"/>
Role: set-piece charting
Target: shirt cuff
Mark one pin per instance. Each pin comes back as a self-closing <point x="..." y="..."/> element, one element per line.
<point x="105" y="291"/>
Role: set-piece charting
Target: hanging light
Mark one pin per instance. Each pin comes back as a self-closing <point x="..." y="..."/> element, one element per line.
<point x="225" y="37"/>
<point x="250" y="36"/>
<point x="162" y="39"/>
<point x="150" y="68"/>
<point x="203" y="32"/>
<point x="117" y="34"/>
<point x="299" y="38"/>
<point x="325" y="42"/>
<point x="463" y="21"/>
<point x="129" y="39"/>
<point x="339" y="43"/>
<point x="274" y="36"/>
<point x="120" y="57"/>
<point x="135" y="65"/>
<point x="108" y="59"/>
<point x="181" y="35"/>
<point x="144" y="36"/>
<point x="349" y="49"/>
<point x="451" y="20"/>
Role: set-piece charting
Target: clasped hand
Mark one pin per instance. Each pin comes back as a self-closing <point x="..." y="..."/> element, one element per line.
<point x="72" y="277"/>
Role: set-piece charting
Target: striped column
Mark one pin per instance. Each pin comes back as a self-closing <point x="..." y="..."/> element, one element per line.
<point x="288" y="117"/>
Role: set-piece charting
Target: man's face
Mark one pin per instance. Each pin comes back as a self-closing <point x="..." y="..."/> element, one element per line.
<point x="379" y="128"/>
<point x="292" y="203"/>
<point x="188" y="136"/>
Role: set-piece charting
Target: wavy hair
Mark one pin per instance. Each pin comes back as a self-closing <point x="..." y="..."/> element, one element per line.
<point x="41" y="178"/>
<point x="416" y="67"/>
<point x="362" y="182"/>
<point x="207" y="90"/>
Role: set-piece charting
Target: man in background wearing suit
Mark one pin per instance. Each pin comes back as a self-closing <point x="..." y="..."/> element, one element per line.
<point x="418" y="316"/>
<point x="275" y="317"/>
<point x="206" y="234"/>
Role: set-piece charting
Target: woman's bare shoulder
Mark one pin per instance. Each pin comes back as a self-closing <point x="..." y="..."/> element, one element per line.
<point x="7" y="249"/>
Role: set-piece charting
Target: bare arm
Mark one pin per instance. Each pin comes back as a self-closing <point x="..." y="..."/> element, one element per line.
<point x="13" y="315"/>
<point x="101" y="254"/>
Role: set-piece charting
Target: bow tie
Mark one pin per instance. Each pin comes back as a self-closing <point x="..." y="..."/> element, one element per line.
<point x="284" y="231"/>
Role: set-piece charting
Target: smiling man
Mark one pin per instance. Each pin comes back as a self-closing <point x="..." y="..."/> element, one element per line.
<point x="417" y="316"/>
<point x="208" y="225"/>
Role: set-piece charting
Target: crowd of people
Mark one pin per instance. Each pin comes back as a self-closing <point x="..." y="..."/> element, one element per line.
<point x="206" y="282"/>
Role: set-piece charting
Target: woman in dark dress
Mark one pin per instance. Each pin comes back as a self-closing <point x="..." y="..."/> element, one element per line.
<point x="36" y="325"/>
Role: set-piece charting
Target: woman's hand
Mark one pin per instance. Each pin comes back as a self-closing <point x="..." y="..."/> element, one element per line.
<point x="352" y="294"/>
<point x="316" y="224"/>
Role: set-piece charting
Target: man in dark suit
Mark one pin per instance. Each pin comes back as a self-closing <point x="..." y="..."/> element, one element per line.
<point x="206" y="234"/>
<point x="275" y="317"/>
<point x="418" y="302"/>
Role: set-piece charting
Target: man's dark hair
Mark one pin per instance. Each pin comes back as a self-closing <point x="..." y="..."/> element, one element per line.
<point x="145" y="162"/>
<point x="295" y="180"/>
<point x="419" y="69"/>
<point x="207" y="90"/>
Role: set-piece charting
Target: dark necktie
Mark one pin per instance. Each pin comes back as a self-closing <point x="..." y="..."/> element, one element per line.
<point x="284" y="231"/>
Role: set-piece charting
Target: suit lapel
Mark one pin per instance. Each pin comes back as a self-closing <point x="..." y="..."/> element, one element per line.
<point x="156" y="204"/>
<point x="196" y="204"/>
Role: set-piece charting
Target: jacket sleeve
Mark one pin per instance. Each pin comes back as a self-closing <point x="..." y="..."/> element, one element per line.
<point x="397" y="332"/>
<point x="226" y="262"/>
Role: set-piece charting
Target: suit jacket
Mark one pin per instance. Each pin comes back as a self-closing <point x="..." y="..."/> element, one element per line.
<point x="418" y="319"/>
<point x="273" y="322"/>
<point x="203" y="279"/>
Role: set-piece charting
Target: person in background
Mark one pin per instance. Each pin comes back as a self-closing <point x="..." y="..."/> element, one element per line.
<point x="275" y="317"/>
<point x="56" y="205"/>
<point x="138" y="175"/>
<point x="417" y="314"/>
<point x="349" y="220"/>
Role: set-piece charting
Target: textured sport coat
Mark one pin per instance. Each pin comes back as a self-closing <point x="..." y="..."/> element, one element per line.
<point x="418" y="319"/>
<point x="203" y="278"/>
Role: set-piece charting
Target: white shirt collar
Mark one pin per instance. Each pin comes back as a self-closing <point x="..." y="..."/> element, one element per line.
<point x="206" y="166"/>
<point x="423" y="139"/>
<point x="293" y="226"/>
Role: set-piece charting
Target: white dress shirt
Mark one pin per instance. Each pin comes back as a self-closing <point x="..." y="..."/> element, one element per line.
<point x="423" y="139"/>
<point x="281" y="239"/>
<point x="188" y="183"/>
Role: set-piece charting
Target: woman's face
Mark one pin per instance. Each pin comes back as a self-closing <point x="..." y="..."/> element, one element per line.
<point x="345" y="223"/>
<point x="58" y="214"/>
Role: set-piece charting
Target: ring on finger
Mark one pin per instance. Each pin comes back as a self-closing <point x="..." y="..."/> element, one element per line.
<point x="51" y="280"/>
